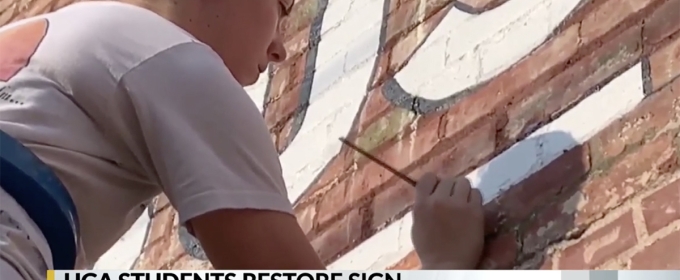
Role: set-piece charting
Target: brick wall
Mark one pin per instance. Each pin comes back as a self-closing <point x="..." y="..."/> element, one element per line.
<point x="565" y="120"/>
<point x="564" y="113"/>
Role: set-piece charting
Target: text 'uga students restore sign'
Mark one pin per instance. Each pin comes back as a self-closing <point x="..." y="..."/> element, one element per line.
<point x="221" y="275"/>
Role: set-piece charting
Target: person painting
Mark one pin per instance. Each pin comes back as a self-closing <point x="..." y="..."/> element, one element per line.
<point x="126" y="100"/>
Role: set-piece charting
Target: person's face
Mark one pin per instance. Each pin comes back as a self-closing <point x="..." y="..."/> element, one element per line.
<point x="245" y="33"/>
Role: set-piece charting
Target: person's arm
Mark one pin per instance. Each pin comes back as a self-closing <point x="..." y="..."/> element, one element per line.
<point x="194" y="129"/>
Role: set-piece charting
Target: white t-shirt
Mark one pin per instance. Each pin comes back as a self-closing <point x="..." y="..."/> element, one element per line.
<point x="124" y="105"/>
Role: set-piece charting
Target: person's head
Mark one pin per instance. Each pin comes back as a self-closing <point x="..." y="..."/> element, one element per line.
<point x="245" y="33"/>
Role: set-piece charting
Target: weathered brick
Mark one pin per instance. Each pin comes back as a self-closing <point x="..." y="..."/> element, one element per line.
<point x="601" y="245"/>
<point x="608" y="15"/>
<point x="665" y="63"/>
<point x="663" y="22"/>
<point x="301" y="16"/>
<point x="384" y="129"/>
<point x="298" y="72"/>
<point x="390" y="202"/>
<point x="370" y="175"/>
<point x="336" y="199"/>
<point x="662" y="207"/>
<point x="434" y="6"/>
<point x="298" y="43"/>
<point x="306" y="217"/>
<point x="339" y="237"/>
<point x="410" y="262"/>
<point x="571" y="85"/>
<point x="652" y="116"/>
<point x="338" y="166"/>
<point x="546" y="58"/>
<point x="403" y="48"/>
<point x="662" y="254"/>
<point x="631" y="174"/>
<point x="281" y="110"/>
<point x="376" y="106"/>
<point x="542" y="187"/>
<point x="500" y="252"/>
<point x="186" y="262"/>
<point x="577" y="207"/>
<point x="166" y="250"/>
<point x="161" y="226"/>
<point x="401" y="19"/>
<point x="470" y="151"/>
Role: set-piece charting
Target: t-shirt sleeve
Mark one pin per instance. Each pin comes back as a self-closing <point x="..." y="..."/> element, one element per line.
<point x="199" y="134"/>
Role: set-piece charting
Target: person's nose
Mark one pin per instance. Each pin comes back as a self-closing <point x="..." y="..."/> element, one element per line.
<point x="277" y="52"/>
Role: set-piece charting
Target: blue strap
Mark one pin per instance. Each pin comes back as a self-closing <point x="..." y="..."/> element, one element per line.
<point x="38" y="190"/>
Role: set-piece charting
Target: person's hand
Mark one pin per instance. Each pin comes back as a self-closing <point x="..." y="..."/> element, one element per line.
<point x="448" y="223"/>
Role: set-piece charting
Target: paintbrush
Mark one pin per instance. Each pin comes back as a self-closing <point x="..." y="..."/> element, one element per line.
<point x="379" y="162"/>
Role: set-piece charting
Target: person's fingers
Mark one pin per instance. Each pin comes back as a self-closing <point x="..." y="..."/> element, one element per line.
<point x="426" y="185"/>
<point x="475" y="197"/>
<point x="461" y="190"/>
<point x="445" y="188"/>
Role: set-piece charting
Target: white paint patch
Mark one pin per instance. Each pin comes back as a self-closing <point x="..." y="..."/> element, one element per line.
<point x="124" y="253"/>
<point x="573" y="128"/>
<point x="465" y="50"/>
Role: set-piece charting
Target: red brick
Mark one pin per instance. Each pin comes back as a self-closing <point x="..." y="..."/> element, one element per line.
<point x="545" y="59"/>
<point x="653" y="115"/>
<point x="298" y="43"/>
<point x="662" y="207"/>
<point x="390" y="202"/>
<point x="370" y="175"/>
<point x="500" y="252"/>
<point x="404" y="48"/>
<point x="601" y="245"/>
<point x="410" y="262"/>
<point x="631" y="174"/>
<point x="608" y="15"/>
<point x="521" y="200"/>
<point x="663" y="22"/>
<point x="401" y="19"/>
<point x="476" y="147"/>
<point x="665" y="63"/>
<point x="386" y="128"/>
<point x="434" y="6"/>
<point x="546" y="263"/>
<point x="542" y="261"/>
<point x="339" y="237"/>
<point x="166" y="250"/>
<point x="187" y="262"/>
<point x="575" y="208"/>
<point x="662" y="254"/>
<point x="306" y="217"/>
<point x="571" y="85"/>
<point x="333" y="201"/>
<point x="407" y="44"/>
<point x="161" y="203"/>
<point x="161" y="225"/>
<point x="376" y="106"/>
<point x="301" y="16"/>
<point x="334" y="170"/>
<point x="281" y="110"/>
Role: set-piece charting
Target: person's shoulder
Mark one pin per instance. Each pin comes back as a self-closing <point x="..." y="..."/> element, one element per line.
<point x="116" y="35"/>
